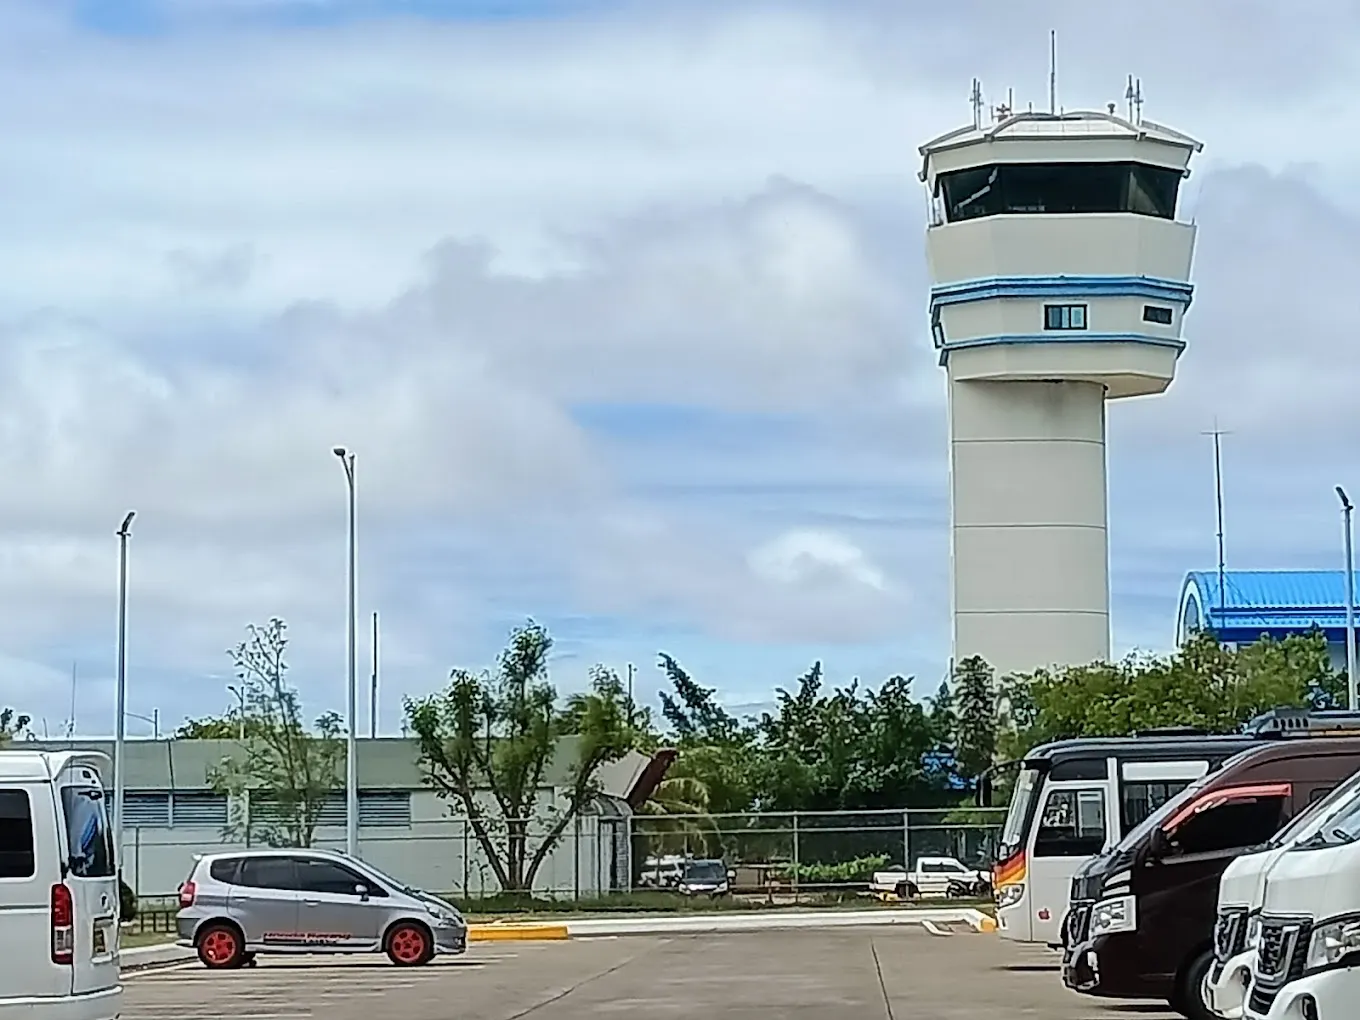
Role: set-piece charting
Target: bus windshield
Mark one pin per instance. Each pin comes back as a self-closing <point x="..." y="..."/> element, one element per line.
<point x="1022" y="807"/>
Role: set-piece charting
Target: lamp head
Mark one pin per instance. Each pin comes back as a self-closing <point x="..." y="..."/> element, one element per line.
<point x="340" y="452"/>
<point x="1345" y="500"/>
<point x="127" y="522"/>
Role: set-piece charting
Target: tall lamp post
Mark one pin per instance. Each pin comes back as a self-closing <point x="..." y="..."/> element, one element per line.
<point x="120" y="726"/>
<point x="351" y="744"/>
<point x="1346" y="511"/>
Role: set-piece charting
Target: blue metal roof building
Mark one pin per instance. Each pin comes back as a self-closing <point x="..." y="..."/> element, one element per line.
<point x="1260" y="602"/>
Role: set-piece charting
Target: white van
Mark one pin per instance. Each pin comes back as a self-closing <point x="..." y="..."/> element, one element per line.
<point x="58" y="888"/>
<point x="1240" y="893"/>
<point x="1307" y="960"/>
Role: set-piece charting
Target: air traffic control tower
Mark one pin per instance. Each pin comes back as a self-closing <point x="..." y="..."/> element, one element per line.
<point x="1060" y="275"/>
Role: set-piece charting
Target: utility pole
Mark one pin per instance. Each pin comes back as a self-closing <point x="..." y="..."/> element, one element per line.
<point x="373" y="687"/>
<point x="120" y="726"/>
<point x="351" y="744"/>
<point x="1347" y="510"/>
<point x="1218" y="435"/>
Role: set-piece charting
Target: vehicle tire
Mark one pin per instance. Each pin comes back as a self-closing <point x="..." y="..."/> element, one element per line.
<point x="1189" y="996"/>
<point x="221" y="946"/>
<point x="907" y="891"/>
<point x="409" y="944"/>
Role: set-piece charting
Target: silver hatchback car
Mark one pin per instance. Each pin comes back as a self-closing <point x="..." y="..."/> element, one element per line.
<point x="235" y="905"/>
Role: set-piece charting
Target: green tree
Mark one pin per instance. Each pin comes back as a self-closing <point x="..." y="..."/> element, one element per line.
<point x="716" y="750"/>
<point x="282" y="774"/>
<point x="487" y="742"/>
<point x="975" y="727"/>
<point x="693" y="713"/>
<point x="13" y="724"/>
<point x="223" y="727"/>
<point x="1203" y="684"/>
<point x="851" y="749"/>
<point x="676" y="815"/>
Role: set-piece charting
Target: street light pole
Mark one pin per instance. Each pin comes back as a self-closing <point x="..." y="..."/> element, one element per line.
<point x="241" y="717"/>
<point x="120" y="726"/>
<point x="351" y="744"/>
<point x="1351" y="678"/>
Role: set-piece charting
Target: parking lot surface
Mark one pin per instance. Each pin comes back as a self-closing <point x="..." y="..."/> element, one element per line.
<point x="895" y="973"/>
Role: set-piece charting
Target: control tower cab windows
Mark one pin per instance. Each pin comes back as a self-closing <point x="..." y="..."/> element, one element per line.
<point x="1033" y="188"/>
<point x="1064" y="316"/>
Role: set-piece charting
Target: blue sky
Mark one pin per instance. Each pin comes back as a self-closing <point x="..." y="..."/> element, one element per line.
<point x="622" y="307"/>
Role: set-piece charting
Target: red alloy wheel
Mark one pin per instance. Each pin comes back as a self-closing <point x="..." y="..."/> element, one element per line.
<point x="408" y="946"/>
<point x="219" y="947"/>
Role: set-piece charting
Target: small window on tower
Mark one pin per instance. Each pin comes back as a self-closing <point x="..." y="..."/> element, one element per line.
<point x="1064" y="316"/>
<point x="1156" y="313"/>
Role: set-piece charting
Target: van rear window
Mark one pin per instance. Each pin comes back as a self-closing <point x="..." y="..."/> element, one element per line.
<point x="88" y="834"/>
<point x="16" y="835"/>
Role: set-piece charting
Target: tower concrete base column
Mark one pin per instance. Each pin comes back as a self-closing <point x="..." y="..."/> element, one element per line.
<point x="1029" y="544"/>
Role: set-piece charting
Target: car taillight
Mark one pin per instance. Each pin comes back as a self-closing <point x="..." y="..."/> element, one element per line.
<point x="63" y="925"/>
<point x="186" y="895"/>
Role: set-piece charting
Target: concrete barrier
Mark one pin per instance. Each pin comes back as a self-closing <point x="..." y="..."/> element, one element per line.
<point x="518" y="931"/>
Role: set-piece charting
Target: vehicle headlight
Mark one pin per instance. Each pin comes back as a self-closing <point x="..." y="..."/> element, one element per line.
<point x="1010" y="895"/>
<point x="1253" y="931"/>
<point x="1332" y="942"/>
<point x="1114" y="915"/>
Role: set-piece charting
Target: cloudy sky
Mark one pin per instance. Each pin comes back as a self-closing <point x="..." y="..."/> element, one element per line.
<point x="622" y="307"/>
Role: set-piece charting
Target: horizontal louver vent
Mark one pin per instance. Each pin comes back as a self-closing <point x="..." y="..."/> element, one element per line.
<point x="378" y="809"/>
<point x="200" y="810"/>
<point x="146" y="809"/>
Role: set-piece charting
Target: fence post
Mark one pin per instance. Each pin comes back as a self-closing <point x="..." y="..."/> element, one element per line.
<point x="137" y="855"/>
<point x="466" y="863"/>
<point x="795" y="857"/>
<point x="906" y="838"/>
<point x="628" y="852"/>
<point x="576" y="858"/>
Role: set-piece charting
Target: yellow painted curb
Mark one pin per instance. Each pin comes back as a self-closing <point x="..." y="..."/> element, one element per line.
<point x="517" y="932"/>
<point x="987" y="923"/>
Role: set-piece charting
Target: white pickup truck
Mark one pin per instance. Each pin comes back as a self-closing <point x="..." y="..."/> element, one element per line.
<point x="932" y="876"/>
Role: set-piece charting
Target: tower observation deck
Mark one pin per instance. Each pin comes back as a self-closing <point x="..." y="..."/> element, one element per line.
<point x="1060" y="276"/>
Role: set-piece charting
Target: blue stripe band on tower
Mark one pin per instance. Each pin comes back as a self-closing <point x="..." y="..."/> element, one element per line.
<point x="1074" y="337"/>
<point x="989" y="287"/>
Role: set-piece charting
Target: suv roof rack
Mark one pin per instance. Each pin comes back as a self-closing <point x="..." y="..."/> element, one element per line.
<point x="1303" y="722"/>
<point x="1172" y="731"/>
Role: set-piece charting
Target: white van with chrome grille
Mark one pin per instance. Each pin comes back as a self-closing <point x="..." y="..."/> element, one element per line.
<point x="58" y="888"/>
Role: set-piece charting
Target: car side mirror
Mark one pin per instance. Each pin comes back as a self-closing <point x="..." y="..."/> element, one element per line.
<point x="361" y="891"/>
<point x="1159" y="844"/>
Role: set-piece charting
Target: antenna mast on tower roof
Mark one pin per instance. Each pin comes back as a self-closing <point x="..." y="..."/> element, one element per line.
<point x="976" y="100"/>
<point x="1053" y="70"/>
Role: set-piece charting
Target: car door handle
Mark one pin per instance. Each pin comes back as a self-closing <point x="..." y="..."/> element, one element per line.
<point x="312" y="903"/>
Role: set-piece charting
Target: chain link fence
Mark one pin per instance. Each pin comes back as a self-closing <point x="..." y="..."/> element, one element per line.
<point x="812" y="855"/>
<point x="618" y="862"/>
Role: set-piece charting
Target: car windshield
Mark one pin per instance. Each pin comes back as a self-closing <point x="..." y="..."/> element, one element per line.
<point x="705" y="871"/>
<point x="1344" y="827"/>
<point x="1335" y="803"/>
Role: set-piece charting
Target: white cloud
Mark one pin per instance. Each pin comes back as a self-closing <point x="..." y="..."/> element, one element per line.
<point x="815" y="558"/>
<point x="228" y="250"/>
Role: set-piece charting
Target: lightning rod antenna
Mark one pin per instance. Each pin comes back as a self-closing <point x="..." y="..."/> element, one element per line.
<point x="1052" y="70"/>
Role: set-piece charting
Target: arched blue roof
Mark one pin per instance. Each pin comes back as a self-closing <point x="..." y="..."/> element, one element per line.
<point x="1257" y="602"/>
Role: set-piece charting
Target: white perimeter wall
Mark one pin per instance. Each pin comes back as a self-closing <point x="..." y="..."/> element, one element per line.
<point x="435" y="852"/>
